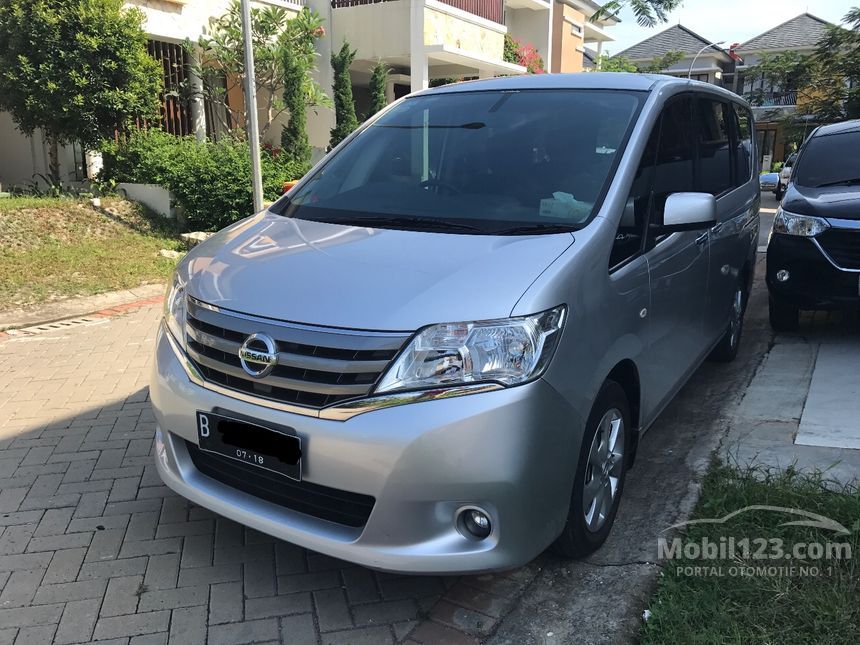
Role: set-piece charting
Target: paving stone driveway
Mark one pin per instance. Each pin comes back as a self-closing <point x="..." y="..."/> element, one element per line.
<point x="94" y="547"/>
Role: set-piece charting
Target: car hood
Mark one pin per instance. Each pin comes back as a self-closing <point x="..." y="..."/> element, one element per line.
<point x="838" y="202"/>
<point x="363" y="278"/>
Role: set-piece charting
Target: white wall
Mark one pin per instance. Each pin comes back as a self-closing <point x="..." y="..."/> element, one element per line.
<point x="530" y="27"/>
<point x="23" y="157"/>
<point x="375" y="31"/>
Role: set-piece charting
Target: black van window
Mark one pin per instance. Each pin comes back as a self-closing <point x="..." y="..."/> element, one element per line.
<point x="714" y="173"/>
<point x="829" y="160"/>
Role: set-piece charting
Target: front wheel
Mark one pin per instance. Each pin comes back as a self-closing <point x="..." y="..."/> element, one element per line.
<point x="600" y="473"/>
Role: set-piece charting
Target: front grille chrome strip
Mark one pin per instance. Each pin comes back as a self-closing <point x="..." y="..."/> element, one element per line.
<point x="277" y="381"/>
<point x="290" y="360"/>
<point x="338" y="412"/>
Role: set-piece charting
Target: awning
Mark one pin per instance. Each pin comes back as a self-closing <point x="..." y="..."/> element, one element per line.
<point x="444" y="60"/>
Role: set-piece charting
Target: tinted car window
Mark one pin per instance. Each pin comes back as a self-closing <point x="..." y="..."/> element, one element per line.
<point x="489" y="160"/>
<point x="829" y="159"/>
<point x="715" y="166"/>
<point x="632" y="227"/>
<point x="673" y="172"/>
<point x="743" y="145"/>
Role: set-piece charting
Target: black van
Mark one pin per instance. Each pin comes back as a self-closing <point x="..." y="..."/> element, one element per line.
<point x="813" y="258"/>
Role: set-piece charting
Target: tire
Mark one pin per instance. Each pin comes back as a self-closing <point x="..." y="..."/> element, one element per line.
<point x="727" y="349"/>
<point x="778" y="192"/>
<point x="782" y="317"/>
<point x="611" y="416"/>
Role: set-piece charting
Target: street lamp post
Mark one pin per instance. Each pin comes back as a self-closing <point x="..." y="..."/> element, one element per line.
<point x="699" y="53"/>
<point x="253" y="128"/>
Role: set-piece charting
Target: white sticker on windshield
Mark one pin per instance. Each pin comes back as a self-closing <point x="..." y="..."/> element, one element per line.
<point x="565" y="206"/>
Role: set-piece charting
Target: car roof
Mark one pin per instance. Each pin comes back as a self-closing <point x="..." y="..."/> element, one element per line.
<point x="838" y="128"/>
<point x="581" y="81"/>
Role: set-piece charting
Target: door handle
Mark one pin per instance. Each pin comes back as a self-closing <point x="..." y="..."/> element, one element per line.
<point x="717" y="228"/>
<point x="702" y="238"/>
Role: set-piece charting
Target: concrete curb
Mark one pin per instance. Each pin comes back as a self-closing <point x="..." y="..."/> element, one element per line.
<point x="104" y="305"/>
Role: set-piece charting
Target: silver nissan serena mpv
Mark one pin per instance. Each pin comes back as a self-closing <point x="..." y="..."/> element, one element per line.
<point x="438" y="352"/>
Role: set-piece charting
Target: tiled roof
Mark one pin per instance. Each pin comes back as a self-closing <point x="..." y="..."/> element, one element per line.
<point x="804" y="30"/>
<point x="589" y="58"/>
<point x="676" y="37"/>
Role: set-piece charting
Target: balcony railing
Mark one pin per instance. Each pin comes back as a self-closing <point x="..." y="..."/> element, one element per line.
<point x="490" y="9"/>
<point x="771" y="99"/>
<point x="493" y="10"/>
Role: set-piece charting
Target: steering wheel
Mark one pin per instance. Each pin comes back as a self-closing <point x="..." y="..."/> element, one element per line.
<point x="427" y="183"/>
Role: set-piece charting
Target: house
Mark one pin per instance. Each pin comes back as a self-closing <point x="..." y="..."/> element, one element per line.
<point x="425" y="40"/>
<point x="420" y="40"/>
<point x="702" y="61"/>
<point x="168" y="23"/>
<point x="801" y="34"/>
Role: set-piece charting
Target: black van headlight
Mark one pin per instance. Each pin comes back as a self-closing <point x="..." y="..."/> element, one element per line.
<point x="508" y="351"/>
<point x="801" y="225"/>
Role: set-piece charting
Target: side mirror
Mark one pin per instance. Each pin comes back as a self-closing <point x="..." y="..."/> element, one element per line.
<point x="689" y="212"/>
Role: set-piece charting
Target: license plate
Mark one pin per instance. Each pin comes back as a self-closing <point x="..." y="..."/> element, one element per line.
<point x="261" y="446"/>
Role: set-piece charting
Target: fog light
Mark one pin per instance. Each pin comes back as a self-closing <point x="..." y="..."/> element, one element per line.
<point x="476" y="523"/>
<point x="782" y="275"/>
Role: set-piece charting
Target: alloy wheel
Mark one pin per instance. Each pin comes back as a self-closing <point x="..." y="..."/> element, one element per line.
<point x="603" y="470"/>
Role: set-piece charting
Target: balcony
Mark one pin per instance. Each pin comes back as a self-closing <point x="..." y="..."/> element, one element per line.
<point x="493" y="10"/>
<point x="454" y="38"/>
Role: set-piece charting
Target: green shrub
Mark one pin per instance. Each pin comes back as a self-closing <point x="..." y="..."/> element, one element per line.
<point x="210" y="181"/>
<point x="777" y="166"/>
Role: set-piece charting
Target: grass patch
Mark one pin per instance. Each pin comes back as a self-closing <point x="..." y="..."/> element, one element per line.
<point x="57" y="248"/>
<point x="823" y="608"/>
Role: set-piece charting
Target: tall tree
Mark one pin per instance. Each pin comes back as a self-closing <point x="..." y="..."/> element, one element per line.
<point x="76" y="69"/>
<point x="220" y="62"/>
<point x="648" y="12"/>
<point x="300" y="90"/>
<point x="344" y="107"/>
<point x="378" y="82"/>
<point x="838" y="55"/>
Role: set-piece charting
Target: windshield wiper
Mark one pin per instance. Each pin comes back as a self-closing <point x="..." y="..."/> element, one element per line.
<point x="841" y="182"/>
<point x="536" y="228"/>
<point x="417" y="223"/>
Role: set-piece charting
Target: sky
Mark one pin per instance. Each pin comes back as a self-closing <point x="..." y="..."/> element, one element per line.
<point x="729" y="20"/>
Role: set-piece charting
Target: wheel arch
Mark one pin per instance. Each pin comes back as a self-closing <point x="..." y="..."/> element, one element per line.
<point x="626" y="374"/>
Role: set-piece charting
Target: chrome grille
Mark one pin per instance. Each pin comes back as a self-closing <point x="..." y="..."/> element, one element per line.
<point x="316" y="367"/>
<point x="842" y="245"/>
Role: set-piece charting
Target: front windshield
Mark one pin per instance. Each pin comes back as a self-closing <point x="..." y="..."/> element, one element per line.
<point x="830" y="160"/>
<point x="483" y="162"/>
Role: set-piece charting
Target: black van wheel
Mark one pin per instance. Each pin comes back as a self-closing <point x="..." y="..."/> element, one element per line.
<point x="600" y="473"/>
<point x="782" y="317"/>
<point x="727" y="349"/>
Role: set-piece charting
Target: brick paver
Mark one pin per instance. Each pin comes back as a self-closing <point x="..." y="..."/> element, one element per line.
<point x="94" y="547"/>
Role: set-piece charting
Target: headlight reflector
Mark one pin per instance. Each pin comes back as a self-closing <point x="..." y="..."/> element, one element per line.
<point x="508" y="351"/>
<point x="801" y="225"/>
<point x="174" y="309"/>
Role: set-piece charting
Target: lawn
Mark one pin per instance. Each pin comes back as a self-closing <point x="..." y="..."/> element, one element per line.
<point x="818" y="603"/>
<point x="57" y="248"/>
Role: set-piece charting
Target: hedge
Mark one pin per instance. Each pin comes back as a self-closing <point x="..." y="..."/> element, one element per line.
<point x="211" y="181"/>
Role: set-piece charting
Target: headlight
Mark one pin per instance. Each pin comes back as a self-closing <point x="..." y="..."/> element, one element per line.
<point x="174" y="309"/>
<point x="508" y="351"/>
<point x="803" y="225"/>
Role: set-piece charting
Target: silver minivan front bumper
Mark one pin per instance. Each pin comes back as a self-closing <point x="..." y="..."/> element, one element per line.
<point x="511" y="452"/>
